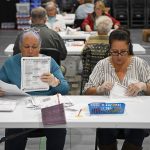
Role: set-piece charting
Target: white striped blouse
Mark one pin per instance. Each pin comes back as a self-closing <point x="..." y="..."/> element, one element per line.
<point x="138" y="70"/>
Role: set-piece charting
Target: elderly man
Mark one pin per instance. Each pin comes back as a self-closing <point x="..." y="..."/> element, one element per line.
<point x="55" y="23"/>
<point x="50" y="38"/>
<point x="10" y="72"/>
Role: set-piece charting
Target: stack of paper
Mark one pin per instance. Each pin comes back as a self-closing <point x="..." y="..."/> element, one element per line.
<point x="7" y="105"/>
<point x="47" y="101"/>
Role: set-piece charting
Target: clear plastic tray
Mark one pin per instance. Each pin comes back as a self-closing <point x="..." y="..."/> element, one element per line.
<point x="106" y="108"/>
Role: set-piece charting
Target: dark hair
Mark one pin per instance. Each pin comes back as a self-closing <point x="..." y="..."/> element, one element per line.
<point x="124" y="29"/>
<point x="121" y="35"/>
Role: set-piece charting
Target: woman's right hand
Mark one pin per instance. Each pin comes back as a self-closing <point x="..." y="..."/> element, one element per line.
<point x="2" y="93"/>
<point x="105" y="87"/>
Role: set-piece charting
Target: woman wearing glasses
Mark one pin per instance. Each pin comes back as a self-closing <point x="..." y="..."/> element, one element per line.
<point x="121" y="67"/>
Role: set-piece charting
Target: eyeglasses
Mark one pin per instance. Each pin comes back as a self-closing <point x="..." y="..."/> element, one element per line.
<point x="30" y="47"/>
<point x="122" y="53"/>
<point x="34" y="29"/>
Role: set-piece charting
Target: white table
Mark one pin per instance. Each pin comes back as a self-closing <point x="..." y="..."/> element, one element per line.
<point x="136" y="115"/>
<point x="76" y="50"/>
<point x="78" y="35"/>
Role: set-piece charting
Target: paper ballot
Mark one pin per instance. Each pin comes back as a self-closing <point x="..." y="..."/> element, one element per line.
<point x="118" y="91"/>
<point x="11" y="89"/>
<point x="32" y="69"/>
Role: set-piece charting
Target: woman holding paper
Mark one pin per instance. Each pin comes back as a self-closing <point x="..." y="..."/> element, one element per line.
<point x="128" y="71"/>
<point x="10" y="72"/>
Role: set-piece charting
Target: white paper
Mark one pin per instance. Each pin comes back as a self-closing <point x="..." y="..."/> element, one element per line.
<point x="118" y="91"/>
<point x="32" y="69"/>
<point x="70" y="30"/>
<point x="11" y="89"/>
<point x="118" y="94"/>
<point x="7" y="105"/>
<point x="47" y="101"/>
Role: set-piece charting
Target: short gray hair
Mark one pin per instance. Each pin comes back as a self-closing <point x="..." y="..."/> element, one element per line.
<point x="51" y="4"/>
<point x="103" y="24"/>
<point x="30" y="32"/>
<point x="38" y="13"/>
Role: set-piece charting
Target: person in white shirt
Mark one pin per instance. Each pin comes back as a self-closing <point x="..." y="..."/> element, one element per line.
<point x="54" y="22"/>
<point x="84" y="9"/>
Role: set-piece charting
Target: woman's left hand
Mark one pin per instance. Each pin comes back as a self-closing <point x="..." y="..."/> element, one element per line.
<point x="50" y="79"/>
<point x="134" y="88"/>
<point x="116" y="26"/>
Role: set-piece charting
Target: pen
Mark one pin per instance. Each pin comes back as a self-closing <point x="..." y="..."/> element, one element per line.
<point x="58" y="98"/>
<point x="79" y="112"/>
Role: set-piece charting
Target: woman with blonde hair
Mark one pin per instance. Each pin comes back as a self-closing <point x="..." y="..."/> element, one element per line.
<point x="89" y="24"/>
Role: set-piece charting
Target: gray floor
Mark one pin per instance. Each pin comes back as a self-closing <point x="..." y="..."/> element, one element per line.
<point x="77" y="139"/>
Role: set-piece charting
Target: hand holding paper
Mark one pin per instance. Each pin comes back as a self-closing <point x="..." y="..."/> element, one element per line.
<point x="50" y="79"/>
<point x="118" y="91"/>
<point x="106" y="86"/>
<point x="134" y="88"/>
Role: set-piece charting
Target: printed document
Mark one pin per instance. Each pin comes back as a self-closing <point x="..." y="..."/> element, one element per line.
<point x="47" y="101"/>
<point x="32" y="68"/>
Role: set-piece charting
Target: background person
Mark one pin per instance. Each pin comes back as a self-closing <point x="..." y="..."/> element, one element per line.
<point x="50" y="38"/>
<point x="84" y="9"/>
<point x="44" y="3"/>
<point x="30" y="43"/>
<point x="96" y="48"/>
<point x="76" y="4"/>
<point x="53" y="22"/>
<point x="121" y="67"/>
<point x="99" y="10"/>
<point x="103" y="25"/>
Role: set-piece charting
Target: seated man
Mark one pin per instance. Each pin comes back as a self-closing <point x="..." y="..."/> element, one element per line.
<point x="50" y="38"/>
<point x="30" y="43"/>
<point x="55" y="23"/>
